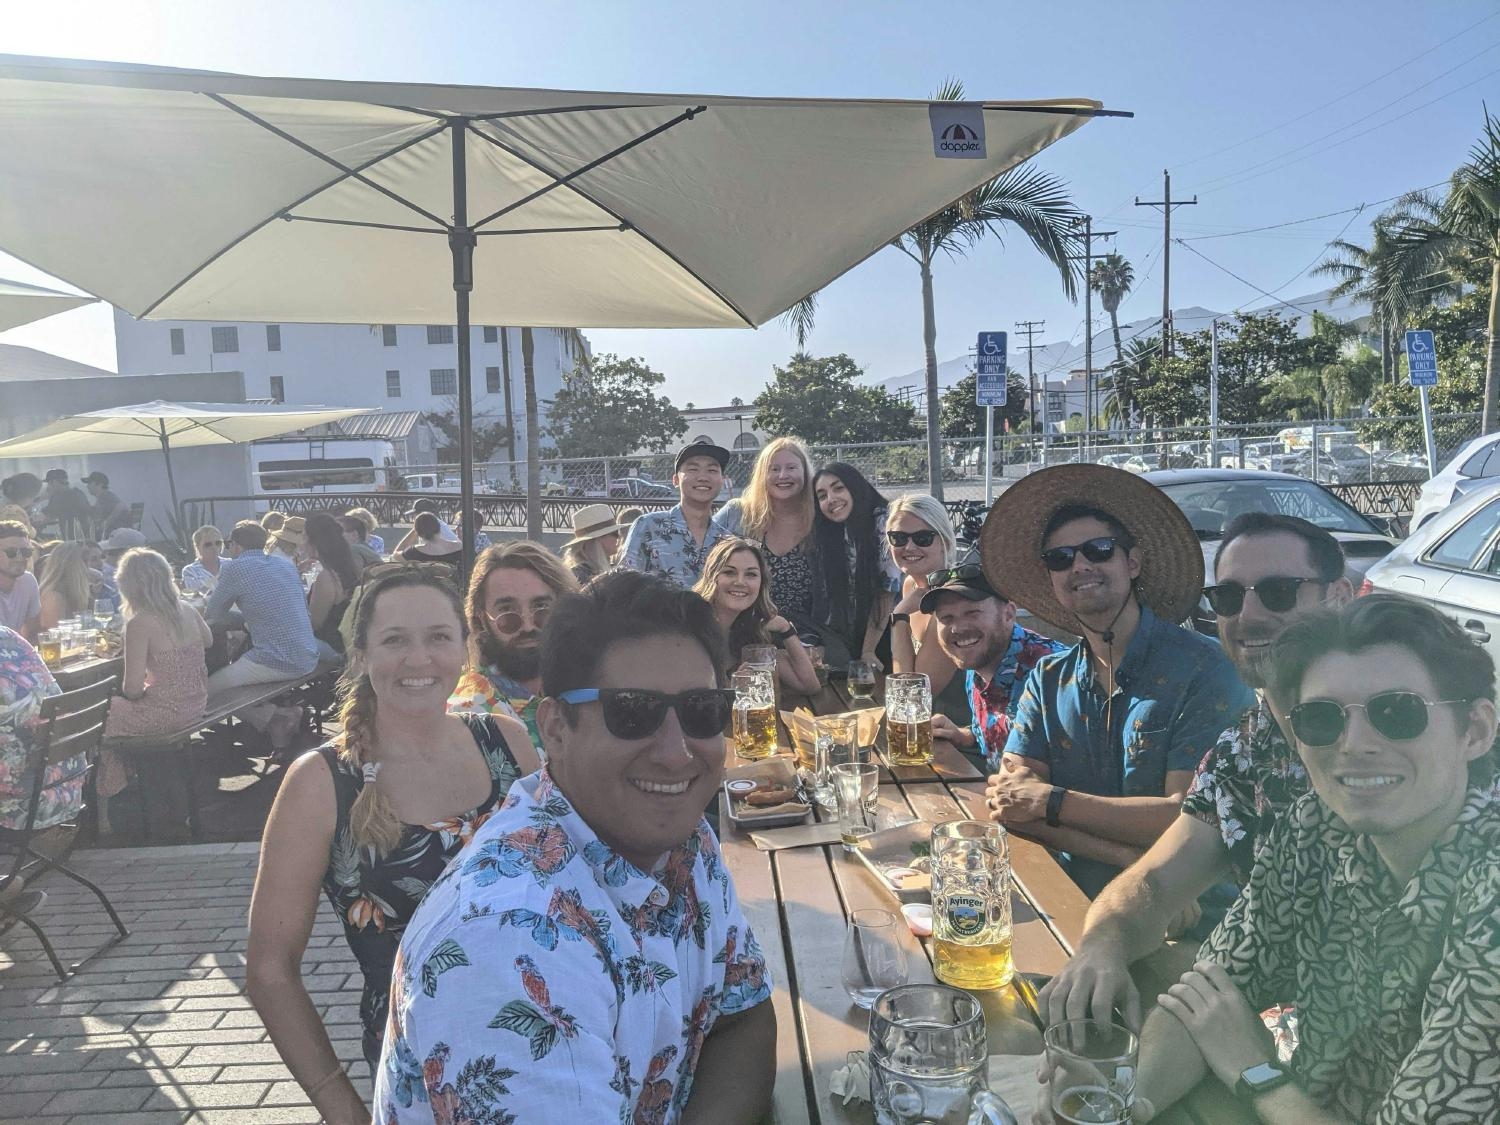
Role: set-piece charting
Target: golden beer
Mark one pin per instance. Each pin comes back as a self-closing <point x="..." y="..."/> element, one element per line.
<point x="971" y="915"/>
<point x="974" y="966"/>
<point x="909" y="743"/>
<point x="755" y="732"/>
<point x="51" y="651"/>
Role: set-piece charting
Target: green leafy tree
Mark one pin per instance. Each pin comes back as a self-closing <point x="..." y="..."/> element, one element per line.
<point x="959" y="417"/>
<point x="610" y="409"/>
<point x="486" y="438"/>
<point x="817" y="399"/>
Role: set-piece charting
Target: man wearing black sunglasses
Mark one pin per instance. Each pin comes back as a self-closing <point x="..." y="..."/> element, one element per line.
<point x="594" y="912"/>
<point x="20" y="596"/>
<point x="1375" y="905"/>
<point x="1270" y="570"/>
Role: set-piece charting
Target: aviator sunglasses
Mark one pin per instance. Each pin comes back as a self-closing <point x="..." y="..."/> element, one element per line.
<point x="1277" y="594"/>
<point x="1098" y="550"/>
<point x="18" y="552"/>
<point x="1397" y="715"/>
<point x="920" y="538"/>
<point x="632" y="713"/>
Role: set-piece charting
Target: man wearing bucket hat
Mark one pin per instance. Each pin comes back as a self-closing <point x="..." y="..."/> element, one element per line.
<point x="675" y="544"/>
<point x="1107" y="734"/>
<point x="596" y="537"/>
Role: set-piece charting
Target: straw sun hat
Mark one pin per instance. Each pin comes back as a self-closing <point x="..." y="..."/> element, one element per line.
<point x="593" y="521"/>
<point x="1010" y="546"/>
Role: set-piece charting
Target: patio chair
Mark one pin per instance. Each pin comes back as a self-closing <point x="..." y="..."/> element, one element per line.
<point x="71" y="724"/>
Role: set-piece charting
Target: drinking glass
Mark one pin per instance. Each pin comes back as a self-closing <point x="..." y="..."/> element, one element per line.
<point x="49" y="646"/>
<point x="908" y="719"/>
<point x="818" y="658"/>
<point x="874" y="959"/>
<point x="861" y="681"/>
<point x="1093" y="1065"/>
<point x="928" y="1057"/>
<point x="856" y="787"/>
<point x="971" y="915"/>
<point x="104" y="611"/>
<point x="758" y="656"/>
<point x="834" y="742"/>
<point x="754" y="714"/>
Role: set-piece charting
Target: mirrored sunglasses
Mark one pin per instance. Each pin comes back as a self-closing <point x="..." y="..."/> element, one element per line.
<point x="634" y="713"/>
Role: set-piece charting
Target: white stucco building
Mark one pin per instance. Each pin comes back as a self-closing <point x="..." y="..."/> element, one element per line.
<point x="395" y="367"/>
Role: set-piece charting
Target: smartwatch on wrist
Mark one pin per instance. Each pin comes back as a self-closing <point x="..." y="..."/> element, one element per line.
<point x="1054" y="805"/>
<point x="1259" y="1079"/>
<point x="897" y="618"/>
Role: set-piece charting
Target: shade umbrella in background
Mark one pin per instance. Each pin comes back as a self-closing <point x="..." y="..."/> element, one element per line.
<point x="21" y="303"/>
<point x="162" y="425"/>
<point x="182" y="194"/>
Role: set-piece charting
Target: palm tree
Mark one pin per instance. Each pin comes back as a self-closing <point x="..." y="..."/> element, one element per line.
<point x="1032" y="200"/>
<point x="1362" y="273"/>
<point x="1112" y="278"/>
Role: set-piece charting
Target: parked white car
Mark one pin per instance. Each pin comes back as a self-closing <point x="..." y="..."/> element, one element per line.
<point x="1452" y="562"/>
<point x="1476" y="462"/>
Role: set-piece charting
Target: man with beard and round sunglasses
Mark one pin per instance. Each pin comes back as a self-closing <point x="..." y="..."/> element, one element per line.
<point x="513" y="589"/>
<point x="1270" y="570"/>
<point x="586" y="957"/>
<point x="1107" y="734"/>
<point x="1375" y="905"/>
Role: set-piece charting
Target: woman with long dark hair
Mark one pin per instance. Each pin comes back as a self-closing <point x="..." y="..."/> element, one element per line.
<point x="735" y="583"/>
<point x="857" y="579"/>
<point x="334" y="586"/>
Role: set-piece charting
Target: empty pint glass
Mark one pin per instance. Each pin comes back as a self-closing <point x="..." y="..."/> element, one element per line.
<point x="928" y="1055"/>
<point x="971" y="918"/>
<point x="908" y="719"/>
<point x="1092" y="1065"/>
<point x="754" y="714"/>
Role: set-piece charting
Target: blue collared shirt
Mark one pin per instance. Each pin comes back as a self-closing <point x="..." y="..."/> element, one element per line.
<point x="269" y="594"/>
<point x="660" y="543"/>
<point x="1175" y="693"/>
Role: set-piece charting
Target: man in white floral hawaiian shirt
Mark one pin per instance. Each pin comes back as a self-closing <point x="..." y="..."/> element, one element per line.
<point x="586" y="958"/>
<point x="675" y="544"/>
<point x="1270" y="569"/>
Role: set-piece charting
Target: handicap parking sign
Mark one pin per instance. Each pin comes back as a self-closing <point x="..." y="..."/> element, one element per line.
<point x="1421" y="358"/>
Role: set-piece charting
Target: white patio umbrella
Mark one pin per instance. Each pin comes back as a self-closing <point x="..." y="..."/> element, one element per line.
<point x="21" y="303"/>
<point x="180" y="194"/>
<point x="161" y="425"/>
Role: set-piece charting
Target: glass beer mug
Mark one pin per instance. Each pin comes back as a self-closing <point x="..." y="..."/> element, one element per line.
<point x="754" y="714"/>
<point x="908" y="719"/>
<point x="928" y="1056"/>
<point x="971" y="917"/>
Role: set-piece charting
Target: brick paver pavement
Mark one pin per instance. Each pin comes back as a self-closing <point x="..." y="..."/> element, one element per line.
<point x="158" y="1028"/>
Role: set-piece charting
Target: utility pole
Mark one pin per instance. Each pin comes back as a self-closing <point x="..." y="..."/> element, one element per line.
<point x="1087" y="257"/>
<point x="1166" y="203"/>
<point x="1031" y="328"/>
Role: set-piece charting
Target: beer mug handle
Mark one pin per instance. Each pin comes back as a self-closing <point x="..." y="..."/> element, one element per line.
<point x="990" y="1109"/>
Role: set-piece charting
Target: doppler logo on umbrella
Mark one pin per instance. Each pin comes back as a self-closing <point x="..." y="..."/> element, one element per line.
<point x="957" y="130"/>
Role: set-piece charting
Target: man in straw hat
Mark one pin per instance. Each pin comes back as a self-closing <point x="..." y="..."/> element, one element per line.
<point x="596" y="538"/>
<point x="1107" y="734"/>
<point x="675" y="544"/>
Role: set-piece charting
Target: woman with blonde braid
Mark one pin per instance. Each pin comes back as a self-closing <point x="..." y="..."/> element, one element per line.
<point x="373" y="819"/>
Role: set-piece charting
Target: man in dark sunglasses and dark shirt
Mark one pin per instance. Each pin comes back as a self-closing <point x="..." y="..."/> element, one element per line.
<point x="586" y="953"/>
<point x="1107" y="734"/>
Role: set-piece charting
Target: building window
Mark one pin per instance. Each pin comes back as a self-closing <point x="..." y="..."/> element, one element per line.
<point x="388" y="335"/>
<point x="444" y="381"/>
<point x="278" y="389"/>
<point x="491" y="335"/>
<point x="273" y="337"/>
<point x="491" y="380"/>
<point x="440" y="333"/>
<point x="746" y="440"/>
<point x="226" y="340"/>
<point x="393" y="384"/>
<point x="179" y="345"/>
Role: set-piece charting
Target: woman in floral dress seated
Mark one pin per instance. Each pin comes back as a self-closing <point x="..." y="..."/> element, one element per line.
<point x="373" y="819"/>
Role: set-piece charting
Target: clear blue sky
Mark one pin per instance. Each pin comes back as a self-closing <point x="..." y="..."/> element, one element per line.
<point x="1201" y="79"/>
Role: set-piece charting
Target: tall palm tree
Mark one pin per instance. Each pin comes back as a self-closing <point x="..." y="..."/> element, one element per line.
<point x="1112" y="278"/>
<point x="1034" y="201"/>
<point x="1361" y="273"/>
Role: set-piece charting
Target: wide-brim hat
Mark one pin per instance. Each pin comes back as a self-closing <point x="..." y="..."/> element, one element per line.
<point x="122" y="539"/>
<point x="1010" y="546"/>
<point x="593" y="521"/>
<point x="293" y="532"/>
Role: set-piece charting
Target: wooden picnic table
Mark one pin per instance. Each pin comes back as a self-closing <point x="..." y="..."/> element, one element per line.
<point x="798" y="901"/>
<point x="81" y="671"/>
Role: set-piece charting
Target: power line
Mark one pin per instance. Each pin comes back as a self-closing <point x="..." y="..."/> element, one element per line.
<point x="1241" y="280"/>
<point x="1166" y="204"/>
<point x="1357" y="208"/>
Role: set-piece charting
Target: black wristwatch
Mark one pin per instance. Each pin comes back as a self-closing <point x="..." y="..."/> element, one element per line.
<point x="1259" y="1079"/>
<point x="896" y="617"/>
<point x="1054" y="805"/>
<point x="785" y="635"/>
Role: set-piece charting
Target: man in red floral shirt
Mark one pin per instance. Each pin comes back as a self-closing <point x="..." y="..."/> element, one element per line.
<point x="977" y="629"/>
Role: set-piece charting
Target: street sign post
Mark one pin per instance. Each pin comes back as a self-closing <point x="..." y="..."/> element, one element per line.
<point x="989" y="392"/>
<point x="1421" y="372"/>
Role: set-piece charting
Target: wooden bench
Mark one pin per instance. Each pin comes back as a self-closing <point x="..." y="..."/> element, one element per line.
<point x="174" y="748"/>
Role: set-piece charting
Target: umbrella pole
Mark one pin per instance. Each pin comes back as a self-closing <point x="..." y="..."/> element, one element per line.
<point x="166" y="453"/>
<point x="461" y="241"/>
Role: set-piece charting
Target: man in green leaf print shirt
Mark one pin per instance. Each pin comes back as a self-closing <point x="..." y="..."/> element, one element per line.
<point x="585" y="958"/>
<point x="1375" y="908"/>
<point x="1107" y="733"/>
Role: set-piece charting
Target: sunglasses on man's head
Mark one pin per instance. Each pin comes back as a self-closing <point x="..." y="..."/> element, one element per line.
<point x="1097" y="550"/>
<point x="964" y="572"/>
<point x="513" y="621"/>
<point x="385" y="569"/>
<point x="18" y="552"/>
<point x="1397" y="715"/>
<point x="920" y="538"/>
<point x="1278" y="594"/>
<point x="632" y="713"/>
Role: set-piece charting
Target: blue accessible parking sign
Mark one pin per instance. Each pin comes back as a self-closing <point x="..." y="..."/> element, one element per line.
<point x="989" y="369"/>
<point x="1421" y="358"/>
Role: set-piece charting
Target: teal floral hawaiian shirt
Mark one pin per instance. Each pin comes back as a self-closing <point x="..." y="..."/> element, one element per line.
<point x="546" y="979"/>
<point x="661" y="543"/>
